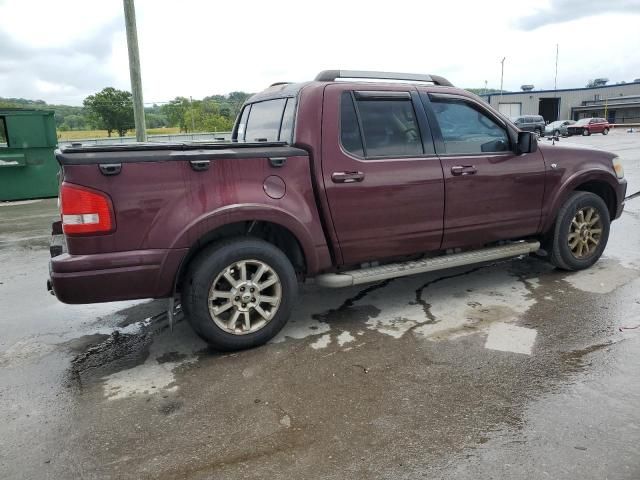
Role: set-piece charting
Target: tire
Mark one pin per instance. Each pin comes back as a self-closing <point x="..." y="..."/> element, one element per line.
<point x="605" y="131"/>
<point x="538" y="132"/>
<point x="556" y="133"/>
<point x="566" y="234"/>
<point x="211" y="319"/>
<point x="586" y="132"/>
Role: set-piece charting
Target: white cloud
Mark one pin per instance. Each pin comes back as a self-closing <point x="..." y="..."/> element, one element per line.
<point x="199" y="48"/>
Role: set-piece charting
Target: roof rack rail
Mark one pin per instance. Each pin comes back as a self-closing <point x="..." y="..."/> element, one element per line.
<point x="279" y="83"/>
<point x="332" y="75"/>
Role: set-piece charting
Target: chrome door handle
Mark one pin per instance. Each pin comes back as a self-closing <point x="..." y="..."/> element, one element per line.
<point x="347" y="177"/>
<point x="463" y="170"/>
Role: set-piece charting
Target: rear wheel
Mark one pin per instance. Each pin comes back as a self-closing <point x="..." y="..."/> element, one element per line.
<point x="239" y="293"/>
<point x="556" y="133"/>
<point x="581" y="232"/>
<point x="605" y="131"/>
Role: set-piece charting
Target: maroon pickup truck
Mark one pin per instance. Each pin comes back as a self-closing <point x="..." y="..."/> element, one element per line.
<point x="350" y="178"/>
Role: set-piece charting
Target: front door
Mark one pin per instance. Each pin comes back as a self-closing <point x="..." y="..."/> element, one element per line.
<point x="383" y="181"/>
<point x="491" y="192"/>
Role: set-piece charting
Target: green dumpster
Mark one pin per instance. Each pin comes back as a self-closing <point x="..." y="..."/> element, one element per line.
<point x="28" y="167"/>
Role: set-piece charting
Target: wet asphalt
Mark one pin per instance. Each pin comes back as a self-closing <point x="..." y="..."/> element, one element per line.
<point x="510" y="370"/>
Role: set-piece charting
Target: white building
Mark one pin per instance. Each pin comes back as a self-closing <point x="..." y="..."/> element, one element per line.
<point x="617" y="103"/>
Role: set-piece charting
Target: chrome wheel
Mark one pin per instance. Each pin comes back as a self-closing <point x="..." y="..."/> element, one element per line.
<point x="585" y="233"/>
<point x="244" y="297"/>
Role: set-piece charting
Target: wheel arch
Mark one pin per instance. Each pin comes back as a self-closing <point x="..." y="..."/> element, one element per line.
<point x="598" y="183"/>
<point x="271" y="224"/>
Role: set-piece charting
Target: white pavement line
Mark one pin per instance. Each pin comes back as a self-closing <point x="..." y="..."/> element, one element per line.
<point x="510" y="338"/>
<point x="18" y="202"/>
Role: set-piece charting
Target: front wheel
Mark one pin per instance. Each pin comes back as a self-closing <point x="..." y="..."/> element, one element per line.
<point x="556" y="133"/>
<point x="586" y="132"/>
<point x="239" y="293"/>
<point x="605" y="131"/>
<point x="581" y="232"/>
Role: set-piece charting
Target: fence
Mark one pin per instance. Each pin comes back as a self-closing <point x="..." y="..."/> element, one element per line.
<point x="177" y="137"/>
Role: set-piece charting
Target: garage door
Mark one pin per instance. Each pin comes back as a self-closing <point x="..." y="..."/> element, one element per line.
<point x="510" y="109"/>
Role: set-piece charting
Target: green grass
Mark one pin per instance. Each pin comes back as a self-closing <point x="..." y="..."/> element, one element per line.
<point x="84" y="134"/>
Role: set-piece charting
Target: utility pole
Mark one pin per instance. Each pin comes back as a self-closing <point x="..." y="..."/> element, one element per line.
<point x="555" y="84"/>
<point x="501" y="80"/>
<point x="193" y="116"/>
<point x="134" y="70"/>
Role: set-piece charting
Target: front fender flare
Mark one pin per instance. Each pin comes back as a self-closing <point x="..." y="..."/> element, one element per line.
<point x="570" y="185"/>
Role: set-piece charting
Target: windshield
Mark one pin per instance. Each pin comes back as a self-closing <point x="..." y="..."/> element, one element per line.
<point x="555" y="124"/>
<point x="583" y="121"/>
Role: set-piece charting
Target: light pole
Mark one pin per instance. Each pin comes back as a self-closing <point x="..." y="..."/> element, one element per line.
<point x="501" y="80"/>
<point x="134" y="70"/>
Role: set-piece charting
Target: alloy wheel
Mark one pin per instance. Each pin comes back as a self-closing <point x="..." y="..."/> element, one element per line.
<point x="245" y="297"/>
<point x="585" y="233"/>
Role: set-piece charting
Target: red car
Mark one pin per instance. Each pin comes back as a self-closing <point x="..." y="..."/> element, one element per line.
<point x="587" y="126"/>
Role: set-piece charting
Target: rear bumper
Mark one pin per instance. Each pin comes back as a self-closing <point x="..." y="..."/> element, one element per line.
<point x="115" y="276"/>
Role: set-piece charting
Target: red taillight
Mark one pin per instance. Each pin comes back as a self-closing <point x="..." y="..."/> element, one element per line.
<point x="84" y="211"/>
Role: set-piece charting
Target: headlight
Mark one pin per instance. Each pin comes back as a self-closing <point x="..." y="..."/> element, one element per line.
<point x="617" y="166"/>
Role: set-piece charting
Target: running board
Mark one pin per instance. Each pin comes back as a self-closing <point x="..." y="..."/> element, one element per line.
<point x="393" y="270"/>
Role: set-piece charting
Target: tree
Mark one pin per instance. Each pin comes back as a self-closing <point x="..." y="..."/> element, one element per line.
<point x="111" y="109"/>
<point x="175" y="111"/>
<point x="597" y="82"/>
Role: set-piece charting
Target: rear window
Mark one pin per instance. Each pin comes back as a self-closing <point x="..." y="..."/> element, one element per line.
<point x="389" y="127"/>
<point x="268" y="121"/>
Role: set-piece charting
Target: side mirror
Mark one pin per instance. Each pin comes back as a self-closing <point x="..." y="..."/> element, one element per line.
<point x="527" y="142"/>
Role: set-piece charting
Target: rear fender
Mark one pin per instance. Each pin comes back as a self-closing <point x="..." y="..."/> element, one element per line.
<point x="315" y="249"/>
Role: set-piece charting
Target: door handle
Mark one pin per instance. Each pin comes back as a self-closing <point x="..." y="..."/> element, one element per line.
<point x="347" y="177"/>
<point x="463" y="170"/>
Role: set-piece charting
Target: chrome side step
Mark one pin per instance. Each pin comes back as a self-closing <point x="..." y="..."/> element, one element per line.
<point x="393" y="270"/>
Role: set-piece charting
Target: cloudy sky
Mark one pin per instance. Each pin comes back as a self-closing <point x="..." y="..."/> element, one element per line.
<point x="61" y="51"/>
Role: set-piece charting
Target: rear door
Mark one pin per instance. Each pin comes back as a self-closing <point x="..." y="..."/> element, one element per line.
<point x="382" y="178"/>
<point x="491" y="193"/>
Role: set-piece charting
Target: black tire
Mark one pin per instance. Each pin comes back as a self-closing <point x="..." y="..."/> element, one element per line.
<point x="556" y="133"/>
<point x="560" y="253"/>
<point x="605" y="131"/>
<point x="538" y="132"/>
<point x="203" y="271"/>
<point x="586" y="132"/>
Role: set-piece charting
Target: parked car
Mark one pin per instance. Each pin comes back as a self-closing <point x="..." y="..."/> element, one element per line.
<point x="347" y="182"/>
<point x="558" y="128"/>
<point x="587" y="126"/>
<point x="530" y="123"/>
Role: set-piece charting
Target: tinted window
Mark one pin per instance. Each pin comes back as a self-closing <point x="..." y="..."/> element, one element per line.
<point x="389" y="127"/>
<point x="349" y="130"/>
<point x="466" y="129"/>
<point x="263" y="124"/>
<point x="286" y="130"/>
<point x="3" y="133"/>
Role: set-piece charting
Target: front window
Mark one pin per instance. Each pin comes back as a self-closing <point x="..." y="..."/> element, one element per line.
<point x="467" y="130"/>
<point x="583" y="121"/>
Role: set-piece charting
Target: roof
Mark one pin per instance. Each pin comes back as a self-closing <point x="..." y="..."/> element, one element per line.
<point x="504" y="94"/>
<point x="278" y="90"/>
<point x="25" y="111"/>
